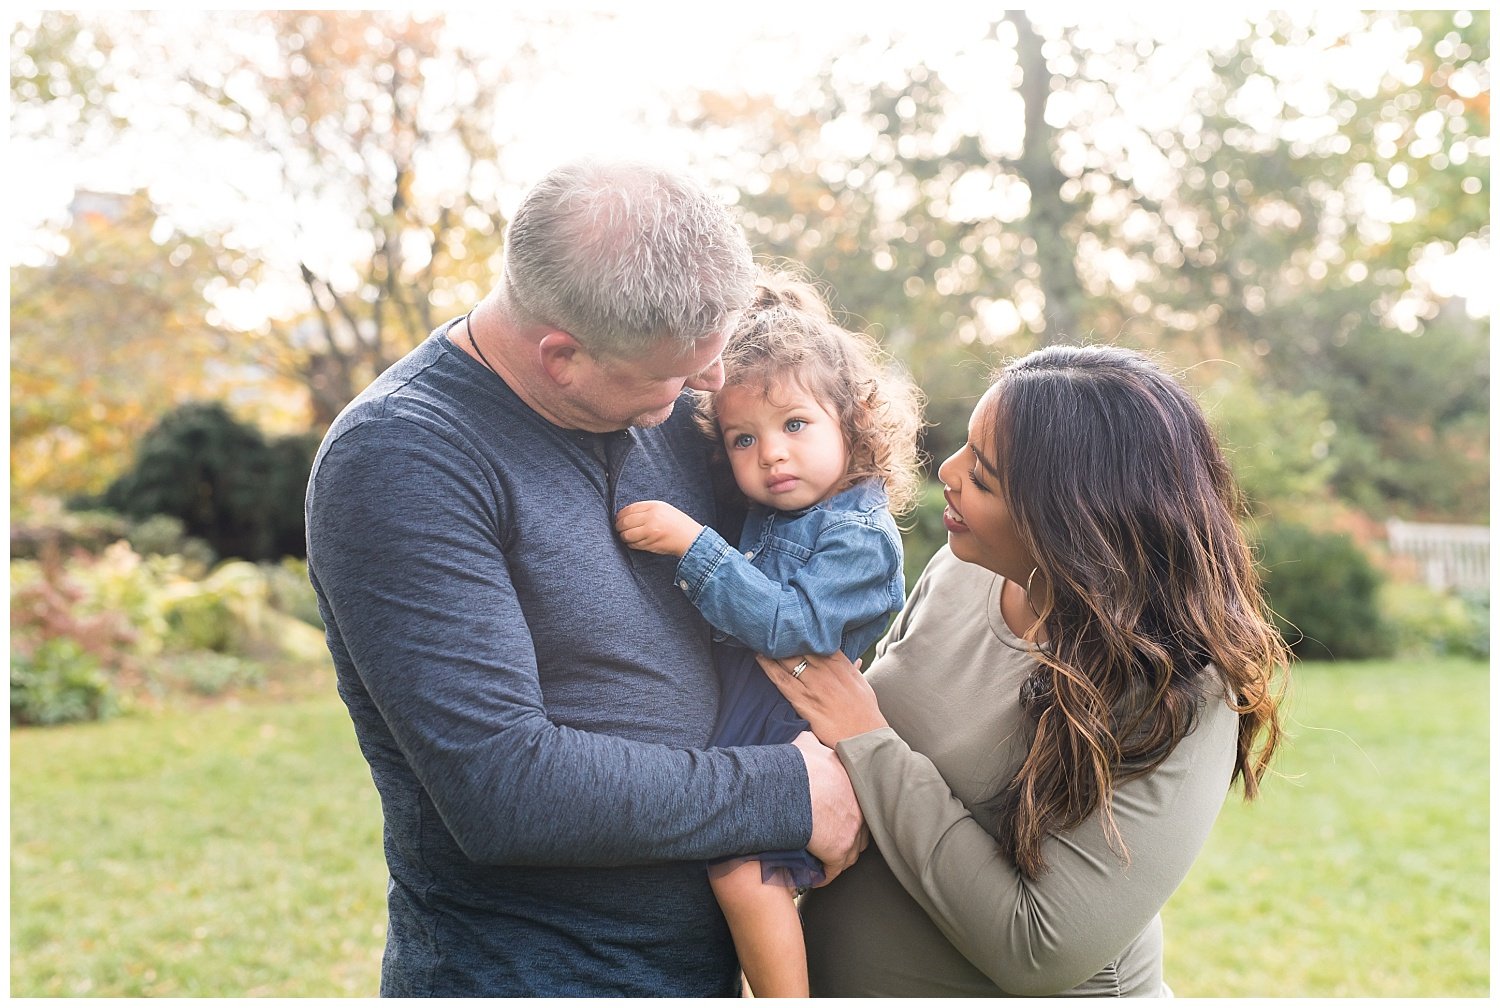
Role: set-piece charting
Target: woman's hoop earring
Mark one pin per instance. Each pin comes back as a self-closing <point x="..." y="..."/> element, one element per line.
<point x="1027" y="593"/>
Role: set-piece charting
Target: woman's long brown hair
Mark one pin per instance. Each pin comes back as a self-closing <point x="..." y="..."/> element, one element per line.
<point x="1144" y="583"/>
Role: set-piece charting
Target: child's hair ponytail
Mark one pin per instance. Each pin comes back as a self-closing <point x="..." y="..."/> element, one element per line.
<point x="787" y="334"/>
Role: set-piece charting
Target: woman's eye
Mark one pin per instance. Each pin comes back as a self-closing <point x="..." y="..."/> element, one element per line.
<point x="743" y="441"/>
<point x="793" y="426"/>
<point x="974" y="478"/>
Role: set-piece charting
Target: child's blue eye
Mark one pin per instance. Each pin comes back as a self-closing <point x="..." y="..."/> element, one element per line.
<point x="743" y="440"/>
<point x="793" y="426"/>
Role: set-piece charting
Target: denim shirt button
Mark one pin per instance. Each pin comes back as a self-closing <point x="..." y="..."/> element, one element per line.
<point x="749" y="554"/>
<point x="683" y="585"/>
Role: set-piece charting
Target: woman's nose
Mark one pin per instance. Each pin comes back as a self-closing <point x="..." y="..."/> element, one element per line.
<point x="948" y="469"/>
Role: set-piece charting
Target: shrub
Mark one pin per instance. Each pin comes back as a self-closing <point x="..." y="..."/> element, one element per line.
<point x="164" y="535"/>
<point x="290" y="464"/>
<point x="221" y="479"/>
<point x="200" y="621"/>
<point x="133" y="587"/>
<point x="1477" y="605"/>
<point x="57" y="682"/>
<point x="95" y="634"/>
<point x="206" y="673"/>
<point x="1275" y="441"/>
<point x="1426" y="622"/>
<point x="203" y="467"/>
<point x="65" y="654"/>
<point x="1323" y="591"/>
<point x="291" y="591"/>
<point x="45" y="525"/>
<point x="224" y="612"/>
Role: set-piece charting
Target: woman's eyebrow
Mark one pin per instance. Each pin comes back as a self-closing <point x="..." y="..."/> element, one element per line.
<point x="984" y="463"/>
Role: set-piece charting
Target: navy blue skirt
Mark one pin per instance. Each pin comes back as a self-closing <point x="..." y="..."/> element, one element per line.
<point x="752" y="711"/>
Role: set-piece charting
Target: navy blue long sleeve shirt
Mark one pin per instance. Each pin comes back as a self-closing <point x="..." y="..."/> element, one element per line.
<point x="532" y="696"/>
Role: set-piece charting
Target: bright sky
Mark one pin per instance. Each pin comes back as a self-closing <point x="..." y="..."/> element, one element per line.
<point x="611" y="69"/>
<point x="606" y="72"/>
<point x="616" y="66"/>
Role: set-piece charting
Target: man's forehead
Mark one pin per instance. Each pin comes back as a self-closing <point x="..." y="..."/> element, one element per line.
<point x="671" y="358"/>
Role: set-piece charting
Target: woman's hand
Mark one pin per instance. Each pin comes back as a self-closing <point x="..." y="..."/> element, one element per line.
<point x="829" y="693"/>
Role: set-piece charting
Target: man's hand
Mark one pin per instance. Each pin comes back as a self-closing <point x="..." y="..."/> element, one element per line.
<point x="656" y="527"/>
<point x="838" y="833"/>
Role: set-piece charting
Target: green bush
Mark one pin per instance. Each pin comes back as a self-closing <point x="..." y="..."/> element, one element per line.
<point x="164" y="535"/>
<point x="44" y="525"/>
<point x="1477" y="605"/>
<point x="132" y="587"/>
<point x="57" y="682"/>
<point x="222" y="479"/>
<point x="1324" y="593"/>
<point x="291" y="591"/>
<point x="92" y="635"/>
<point x="207" y="673"/>
<point x="1275" y="441"/>
<point x="224" y="612"/>
<point x="200" y="621"/>
<point x="66" y="652"/>
<point x="289" y="461"/>
<point x="1426" y="622"/>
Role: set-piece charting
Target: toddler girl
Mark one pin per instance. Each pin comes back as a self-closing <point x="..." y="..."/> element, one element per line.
<point x="819" y="429"/>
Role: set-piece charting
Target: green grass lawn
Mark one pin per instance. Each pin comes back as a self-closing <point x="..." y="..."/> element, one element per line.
<point x="224" y="851"/>
<point x="1363" y="869"/>
<point x="235" y="851"/>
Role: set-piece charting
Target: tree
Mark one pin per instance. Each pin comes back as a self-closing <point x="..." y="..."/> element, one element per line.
<point x="1276" y="443"/>
<point x="384" y="118"/>
<point x="374" y="140"/>
<point x="1328" y="280"/>
<point x="223" y="480"/>
<point x="105" y="336"/>
<point x="853" y="180"/>
<point x="1077" y="201"/>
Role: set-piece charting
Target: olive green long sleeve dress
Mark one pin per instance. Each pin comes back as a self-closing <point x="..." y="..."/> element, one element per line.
<point x="937" y="909"/>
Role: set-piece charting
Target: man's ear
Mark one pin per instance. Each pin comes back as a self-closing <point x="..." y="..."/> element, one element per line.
<point x="561" y="356"/>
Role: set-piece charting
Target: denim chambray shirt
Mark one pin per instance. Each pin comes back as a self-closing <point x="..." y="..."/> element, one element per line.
<point x="814" y="581"/>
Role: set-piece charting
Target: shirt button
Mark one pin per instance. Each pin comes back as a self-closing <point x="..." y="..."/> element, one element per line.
<point x="749" y="554"/>
<point x="682" y="585"/>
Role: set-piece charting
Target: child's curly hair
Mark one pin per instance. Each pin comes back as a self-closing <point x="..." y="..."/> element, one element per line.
<point x="787" y="334"/>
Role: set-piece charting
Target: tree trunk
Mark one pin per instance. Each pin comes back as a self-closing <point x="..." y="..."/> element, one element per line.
<point x="1049" y="217"/>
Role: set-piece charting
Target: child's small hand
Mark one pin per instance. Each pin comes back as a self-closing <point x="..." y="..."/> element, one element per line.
<point x="656" y="527"/>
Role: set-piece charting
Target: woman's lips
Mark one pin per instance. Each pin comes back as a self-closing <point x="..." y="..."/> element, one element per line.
<point x="952" y="520"/>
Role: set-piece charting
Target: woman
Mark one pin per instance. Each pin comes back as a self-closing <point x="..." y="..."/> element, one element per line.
<point x="1053" y="721"/>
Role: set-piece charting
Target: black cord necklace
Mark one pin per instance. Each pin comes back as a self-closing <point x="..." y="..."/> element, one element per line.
<point x="475" y="344"/>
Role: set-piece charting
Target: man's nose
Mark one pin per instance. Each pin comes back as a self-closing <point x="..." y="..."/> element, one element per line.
<point x="710" y="379"/>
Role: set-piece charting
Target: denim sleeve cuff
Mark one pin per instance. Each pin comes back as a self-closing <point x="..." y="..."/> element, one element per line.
<point x="700" y="561"/>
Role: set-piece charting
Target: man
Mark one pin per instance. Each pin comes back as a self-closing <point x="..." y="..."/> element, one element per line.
<point x="533" y="696"/>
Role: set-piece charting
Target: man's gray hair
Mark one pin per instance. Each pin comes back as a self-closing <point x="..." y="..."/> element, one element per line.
<point x="623" y="254"/>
